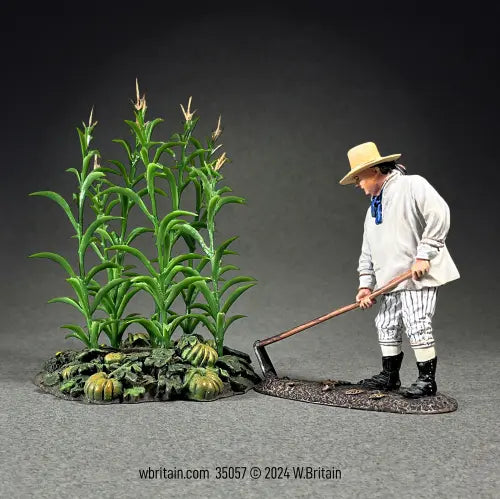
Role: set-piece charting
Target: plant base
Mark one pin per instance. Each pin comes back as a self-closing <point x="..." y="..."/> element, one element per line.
<point x="139" y="374"/>
<point x="345" y="394"/>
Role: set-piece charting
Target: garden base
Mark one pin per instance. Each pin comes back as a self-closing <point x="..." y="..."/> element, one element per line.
<point x="345" y="394"/>
<point x="143" y="374"/>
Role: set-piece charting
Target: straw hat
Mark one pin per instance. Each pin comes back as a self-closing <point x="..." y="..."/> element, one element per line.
<point x="363" y="157"/>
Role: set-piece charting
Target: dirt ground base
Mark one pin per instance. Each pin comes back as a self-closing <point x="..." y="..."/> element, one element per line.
<point x="345" y="394"/>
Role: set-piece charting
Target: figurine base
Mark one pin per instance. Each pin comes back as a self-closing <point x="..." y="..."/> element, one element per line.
<point x="351" y="396"/>
<point x="142" y="374"/>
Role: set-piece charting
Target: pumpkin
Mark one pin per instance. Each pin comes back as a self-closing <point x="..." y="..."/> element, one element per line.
<point x="68" y="372"/>
<point x="100" y="387"/>
<point x="203" y="384"/>
<point x="113" y="357"/>
<point x="136" y="340"/>
<point x="200" y="354"/>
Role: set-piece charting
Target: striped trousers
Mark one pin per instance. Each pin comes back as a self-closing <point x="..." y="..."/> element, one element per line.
<point x="411" y="309"/>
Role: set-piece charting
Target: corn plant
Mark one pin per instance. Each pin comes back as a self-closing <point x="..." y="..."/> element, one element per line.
<point x="89" y="294"/>
<point x="159" y="282"/>
<point x="209" y="201"/>
<point x="168" y="276"/>
<point x="114" y="305"/>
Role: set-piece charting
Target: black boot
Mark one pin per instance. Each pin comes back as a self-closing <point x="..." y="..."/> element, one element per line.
<point x="425" y="384"/>
<point x="388" y="378"/>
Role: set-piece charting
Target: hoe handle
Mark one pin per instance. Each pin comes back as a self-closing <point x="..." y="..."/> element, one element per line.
<point x="390" y="285"/>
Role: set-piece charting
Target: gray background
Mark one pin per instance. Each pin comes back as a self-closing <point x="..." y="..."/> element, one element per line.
<point x="296" y="87"/>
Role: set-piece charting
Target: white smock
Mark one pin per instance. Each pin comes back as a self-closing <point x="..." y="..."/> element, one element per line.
<point x="415" y="223"/>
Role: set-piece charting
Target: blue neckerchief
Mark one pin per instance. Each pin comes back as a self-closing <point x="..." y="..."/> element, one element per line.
<point x="376" y="206"/>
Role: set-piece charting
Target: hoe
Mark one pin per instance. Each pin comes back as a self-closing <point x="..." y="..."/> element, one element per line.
<point x="259" y="346"/>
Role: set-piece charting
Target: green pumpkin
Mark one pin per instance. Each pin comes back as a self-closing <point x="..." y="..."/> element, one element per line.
<point x="200" y="354"/>
<point x="137" y="340"/>
<point x="68" y="372"/>
<point x="203" y="384"/>
<point x="113" y="357"/>
<point x="100" y="387"/>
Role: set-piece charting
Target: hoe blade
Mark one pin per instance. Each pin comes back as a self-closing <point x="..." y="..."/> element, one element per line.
<point x="264" y="361"/>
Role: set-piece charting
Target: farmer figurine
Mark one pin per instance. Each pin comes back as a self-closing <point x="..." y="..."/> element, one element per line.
<point x="405" y="227"/>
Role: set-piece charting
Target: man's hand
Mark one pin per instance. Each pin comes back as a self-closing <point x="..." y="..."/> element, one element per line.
<point x="420" y="268"/>
<point x="362" y="298"/>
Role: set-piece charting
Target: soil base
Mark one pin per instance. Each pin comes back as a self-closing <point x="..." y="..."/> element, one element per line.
<point x="143" y="374"/>
<point x="345" y="394"/>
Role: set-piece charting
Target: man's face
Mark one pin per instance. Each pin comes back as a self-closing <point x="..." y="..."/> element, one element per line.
<point x="370" y="181"/>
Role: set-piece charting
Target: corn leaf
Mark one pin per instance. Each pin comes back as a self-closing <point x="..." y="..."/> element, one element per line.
<point x="78" y="333"/>
<point x="196" y="143"/>
<point x="94" y="270"/>
<point x="133" y="196"/>
<point x="152" y="327"/>
<point x="202" y="264"/>
<point x="168" y="274"/>
<point x="141" y="193"/>
<point x="148" y="290"/>
<point x="227" y="199"/>
<point x="144" y="156"/>
<point x="124" y="301"/>
<point x="86" y="162"/>
<point x="231" y="319"/>
<point x="164" y="148"/>
<point x="235" y="295"/>
<point x="211" y="208"/>
<point x="220" y="323"/>
<point x="105" y="235"/>
<point x="79" y="289"/>
<point x="220" y="252"/>
<point x="167" y="174"/>
<point x="150" y="176"/>
<point x="104" y="290"/>
<point x="201" y="306"/>
<point x="199" y="194"/>
<point x="181" y="258"/>
<point x="61" y="202"/>
<point x="191" y="231"/>
<point x="233" y="281"/>
<point x="56" y="258"/>
<point x="138" y="254"/>
<point x="83" y="141"/>
<point x="209" y="297"/>
<point x="68" y="301"/>
<point x="138" y="132"/>
<point x="176" y="289"/>
<point x="206" y="322"/>
<point x="175" y="322"/>
<point x="97" y="251"/>
<point x="152" y="283"/>
<point x="162" y="230"/>
<point x="91" y="177"/>
<point x="151" y="126"/>
<point x="138" y="179"/>
<point x="92" y="228"/>
<point x="123" y="289"/>
<point x="137" y="232"/>
<point x="75" y="171"/>
<point x="125" y="145"/>
<point x="195" y="154"/>
<point x="95" y="331"/>
<point x="227" y="268"/>
<point x="121" y="168"/>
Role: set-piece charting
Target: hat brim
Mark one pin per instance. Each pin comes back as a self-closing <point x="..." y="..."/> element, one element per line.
<point x="349" y="178"/>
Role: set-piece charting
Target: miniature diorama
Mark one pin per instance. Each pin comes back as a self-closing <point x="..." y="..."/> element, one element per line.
<point x="404" y="253"/>
<point x="403" y="261"/>
<point x="188" y="289"/>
